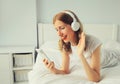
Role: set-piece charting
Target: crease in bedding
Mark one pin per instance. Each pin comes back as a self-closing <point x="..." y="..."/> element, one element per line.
<point x="40" y="75"/>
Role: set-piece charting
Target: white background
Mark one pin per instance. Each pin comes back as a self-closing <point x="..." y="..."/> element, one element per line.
<point x="18" y="18"/>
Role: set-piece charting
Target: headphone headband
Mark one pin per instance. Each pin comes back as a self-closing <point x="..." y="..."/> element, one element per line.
<point x="69" y="13"/>
<point x="75" y="24"/>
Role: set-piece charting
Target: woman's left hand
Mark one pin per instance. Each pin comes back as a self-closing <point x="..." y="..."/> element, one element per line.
<point x="50" y="65"/>
<point x="81" y="44"/>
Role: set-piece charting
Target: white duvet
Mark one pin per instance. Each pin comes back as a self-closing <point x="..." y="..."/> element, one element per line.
<point x="40" y="75"/>
<point x="109" y="76"/>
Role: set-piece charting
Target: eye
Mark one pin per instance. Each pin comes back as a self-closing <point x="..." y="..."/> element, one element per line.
<point x="61" y="28"/>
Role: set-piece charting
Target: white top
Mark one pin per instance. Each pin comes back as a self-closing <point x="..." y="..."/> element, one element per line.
<point x="108" y="53"/>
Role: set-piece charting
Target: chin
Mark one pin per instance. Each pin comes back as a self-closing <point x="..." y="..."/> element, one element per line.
<point x="66" y="41"/>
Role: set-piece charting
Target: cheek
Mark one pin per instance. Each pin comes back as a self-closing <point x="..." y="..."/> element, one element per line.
<point x="65" y="31"/>
<point x="68" y="30"/>
<point x="71" y="34"/>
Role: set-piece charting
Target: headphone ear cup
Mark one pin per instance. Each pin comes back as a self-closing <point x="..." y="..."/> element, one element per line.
<point x="75" y="26"/>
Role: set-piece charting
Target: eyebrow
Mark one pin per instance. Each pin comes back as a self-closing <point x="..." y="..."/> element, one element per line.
<point x="64" y="25"/>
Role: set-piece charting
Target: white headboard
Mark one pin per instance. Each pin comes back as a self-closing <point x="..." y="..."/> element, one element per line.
<point x="105" y="32"/>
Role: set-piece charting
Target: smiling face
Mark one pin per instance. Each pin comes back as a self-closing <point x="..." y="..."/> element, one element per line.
<point x="64" y="31"/>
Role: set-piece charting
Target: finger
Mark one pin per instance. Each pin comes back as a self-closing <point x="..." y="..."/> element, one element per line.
<point x="48" y="65"/>
<point x="46" y="61"/>
<point x="52" y="65"/>
<point x="82" y="39"/>
<point x="82" y="35"/>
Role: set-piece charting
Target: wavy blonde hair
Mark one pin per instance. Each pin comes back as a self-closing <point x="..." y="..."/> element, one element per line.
<point x="66" y="18"/>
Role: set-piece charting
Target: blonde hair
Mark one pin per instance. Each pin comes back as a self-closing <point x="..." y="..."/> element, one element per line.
<point x="66" y="18"/>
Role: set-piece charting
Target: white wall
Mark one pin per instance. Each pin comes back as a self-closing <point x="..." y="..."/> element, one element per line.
<point x="95" y="11"/>
<point x="18" y="17"/>
<point x="17" y="22"/>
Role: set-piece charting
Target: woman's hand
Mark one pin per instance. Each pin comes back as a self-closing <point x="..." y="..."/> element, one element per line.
<point x="81" y="44"/>
<point x="50" y="65"/>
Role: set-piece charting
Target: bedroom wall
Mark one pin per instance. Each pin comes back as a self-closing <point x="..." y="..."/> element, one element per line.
<point x="18" y="18"/>
<point x="95" y="11"/>
<point x="17" y="22"/>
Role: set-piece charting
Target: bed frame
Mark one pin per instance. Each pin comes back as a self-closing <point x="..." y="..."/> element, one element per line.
<point x="105" y="32"/>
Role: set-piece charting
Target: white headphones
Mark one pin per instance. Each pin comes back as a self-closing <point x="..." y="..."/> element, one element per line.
<point x="75" y="24"/>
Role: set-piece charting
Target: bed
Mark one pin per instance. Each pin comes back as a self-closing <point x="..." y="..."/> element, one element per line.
<point x="48" y="41"/>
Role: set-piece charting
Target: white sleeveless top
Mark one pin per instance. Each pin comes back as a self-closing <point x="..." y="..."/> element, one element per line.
<point x="91" y="44"/>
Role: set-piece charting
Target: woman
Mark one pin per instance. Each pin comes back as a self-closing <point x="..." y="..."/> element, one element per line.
<point x="74" y="40"/>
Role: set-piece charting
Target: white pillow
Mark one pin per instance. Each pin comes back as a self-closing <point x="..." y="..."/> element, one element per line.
<point x="52" y="51"/>
<point x="111" y="53"/>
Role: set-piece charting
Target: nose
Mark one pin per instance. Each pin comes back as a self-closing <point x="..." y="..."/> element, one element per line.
<point x="59" y="33"/>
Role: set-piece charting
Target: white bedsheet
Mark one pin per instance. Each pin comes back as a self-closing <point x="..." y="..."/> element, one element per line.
<point x="108" y="76"/>
<point x="41" y="75"/>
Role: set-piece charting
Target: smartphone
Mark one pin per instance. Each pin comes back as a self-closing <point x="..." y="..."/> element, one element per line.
<point x="45" y="55"/>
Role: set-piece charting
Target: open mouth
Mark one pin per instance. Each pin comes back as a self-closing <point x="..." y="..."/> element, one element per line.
<point x="64" y="37"/>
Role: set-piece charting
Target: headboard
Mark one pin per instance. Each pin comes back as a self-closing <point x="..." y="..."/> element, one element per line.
<point x="105" y="32"/>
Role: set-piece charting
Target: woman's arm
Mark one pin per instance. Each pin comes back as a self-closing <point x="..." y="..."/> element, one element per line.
<point x="64" y="67"/>
<point x="92" y="70"/>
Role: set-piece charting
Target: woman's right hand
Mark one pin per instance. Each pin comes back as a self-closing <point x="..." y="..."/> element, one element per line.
<point x="81" y="44"/>
<point x="50" y="65"/>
